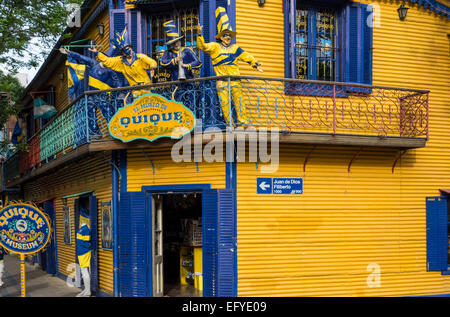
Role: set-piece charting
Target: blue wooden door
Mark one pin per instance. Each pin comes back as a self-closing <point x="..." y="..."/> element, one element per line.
<point x="50" y="253"/>
<point x="219" y="243"/>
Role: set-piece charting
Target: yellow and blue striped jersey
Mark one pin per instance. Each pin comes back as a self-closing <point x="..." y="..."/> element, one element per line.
<point x="136" y="72"/>
<point x="225" y="59"/>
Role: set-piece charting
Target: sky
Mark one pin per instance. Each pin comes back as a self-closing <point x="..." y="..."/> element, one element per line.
<point x="28" y="73"/>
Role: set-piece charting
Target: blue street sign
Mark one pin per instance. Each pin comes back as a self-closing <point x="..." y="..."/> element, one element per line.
<point x="287" y="186"/>
<point x="264" y="185"/>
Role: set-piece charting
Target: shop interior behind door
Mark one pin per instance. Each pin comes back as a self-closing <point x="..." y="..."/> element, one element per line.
<point x="181" y="243"/>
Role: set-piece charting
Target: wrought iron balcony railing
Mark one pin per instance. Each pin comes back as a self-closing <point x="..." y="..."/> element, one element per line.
<point x="292" y="106"/>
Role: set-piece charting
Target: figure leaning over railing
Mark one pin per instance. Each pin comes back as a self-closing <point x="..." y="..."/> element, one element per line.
<point x="180" y="61"/>
<point x="100" y="78"/>
<point x="133" y="66"/>
<point x="225" y="57"/>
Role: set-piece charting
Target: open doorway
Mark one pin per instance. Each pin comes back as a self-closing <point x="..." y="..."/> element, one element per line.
<point x="177" y="244"/>
<point x="88" y="202"/>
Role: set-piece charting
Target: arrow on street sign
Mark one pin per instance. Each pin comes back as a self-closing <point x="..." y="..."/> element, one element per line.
<point x="264" y="185"/>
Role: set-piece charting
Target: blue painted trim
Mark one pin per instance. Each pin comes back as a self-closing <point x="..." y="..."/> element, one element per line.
<point x="154" y="189"/>
<point x="55" y="233"/>
<point x="433" y="5"/>
<point x="115" y="212"/>
<point x="231" y="183"/>
<point x="123" y="170"/>
<point x="287" y="60"/>
<point x="232" y="15"/>
<point x="149" y="244"/>
<point x="346" y="53"/>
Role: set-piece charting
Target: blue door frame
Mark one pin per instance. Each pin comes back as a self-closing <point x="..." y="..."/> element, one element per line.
<point x="162" y="189"/>
<point x="50" y="253"/>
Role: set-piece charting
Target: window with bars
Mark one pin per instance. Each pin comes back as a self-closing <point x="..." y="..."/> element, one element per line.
<point x="186" y="20"/>
<point x="328" y="41"/>
<point x="316" y="43"/>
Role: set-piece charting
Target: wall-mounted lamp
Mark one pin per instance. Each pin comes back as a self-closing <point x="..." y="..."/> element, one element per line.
<point x="101" y="29"/>
<point x="402" y="11"/>
<point x="61" y="76"/>
<point x="261" y="2"/>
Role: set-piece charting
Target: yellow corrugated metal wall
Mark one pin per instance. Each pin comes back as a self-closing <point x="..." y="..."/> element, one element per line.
<point x="357" y="233"/>
<point x="92" y="174"/>
<point x="167" y="172"/>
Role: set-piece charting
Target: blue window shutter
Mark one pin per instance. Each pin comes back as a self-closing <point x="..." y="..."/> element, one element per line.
<point x="117" y="21"/>
<point x="368" y="45"/>
<point x="357" y="44"/>
<point x="94" y="243"/>
<point x="135" y="30"/>
<point x="51" y="247"/>
<point x="289" y="38"/>
<point x="209" y="237"/>
<point x="226" y="246"/>
<point x="205" y="20"/>
<point x="132" y="244"/>
<point x="436" y="233"/>
<point x="222" y="3"/>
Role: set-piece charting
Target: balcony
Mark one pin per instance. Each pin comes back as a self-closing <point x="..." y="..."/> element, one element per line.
<point x="305" y="112"/>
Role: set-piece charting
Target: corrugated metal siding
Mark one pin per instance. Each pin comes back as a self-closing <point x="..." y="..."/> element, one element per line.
<point x="92" y="174"/>
<point x="167" y="172"/>
<point x="260" y="32"/>
<point x="330" y="240"/>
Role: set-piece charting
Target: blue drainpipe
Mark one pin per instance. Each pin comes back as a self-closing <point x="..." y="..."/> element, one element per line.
<point x="115" y="209"/>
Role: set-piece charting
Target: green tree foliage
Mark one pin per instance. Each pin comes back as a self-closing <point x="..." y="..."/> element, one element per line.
<point x="30" y="28"/>
<point x="10" y="92"/>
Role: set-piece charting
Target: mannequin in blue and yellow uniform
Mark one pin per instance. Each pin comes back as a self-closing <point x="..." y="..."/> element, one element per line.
<point x="176" y="54"/>
<point x="100" y="77"/>
<point x="171" y="60"/>
<point x="84" y="250"/>
<point x="225" y="57"/>
<point x="133" y="66"/>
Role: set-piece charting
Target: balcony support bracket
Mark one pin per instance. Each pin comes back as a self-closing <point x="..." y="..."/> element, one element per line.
<point x="307" y="157"/>
<point x="354" y="158"/>
<point x="397" y="159"/>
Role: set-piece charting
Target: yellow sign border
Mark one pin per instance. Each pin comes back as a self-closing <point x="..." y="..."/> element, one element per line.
<point x="41" y="213"/>
<point x="162" y="136"/>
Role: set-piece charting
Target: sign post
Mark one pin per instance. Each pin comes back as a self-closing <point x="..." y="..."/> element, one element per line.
<point x="24" y="230"/>
<point x="22" y="276"/>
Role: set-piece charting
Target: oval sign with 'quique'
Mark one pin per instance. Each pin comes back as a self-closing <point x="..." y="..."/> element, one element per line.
<point x="151" y="117"/>
<point x="24" y="229"/>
